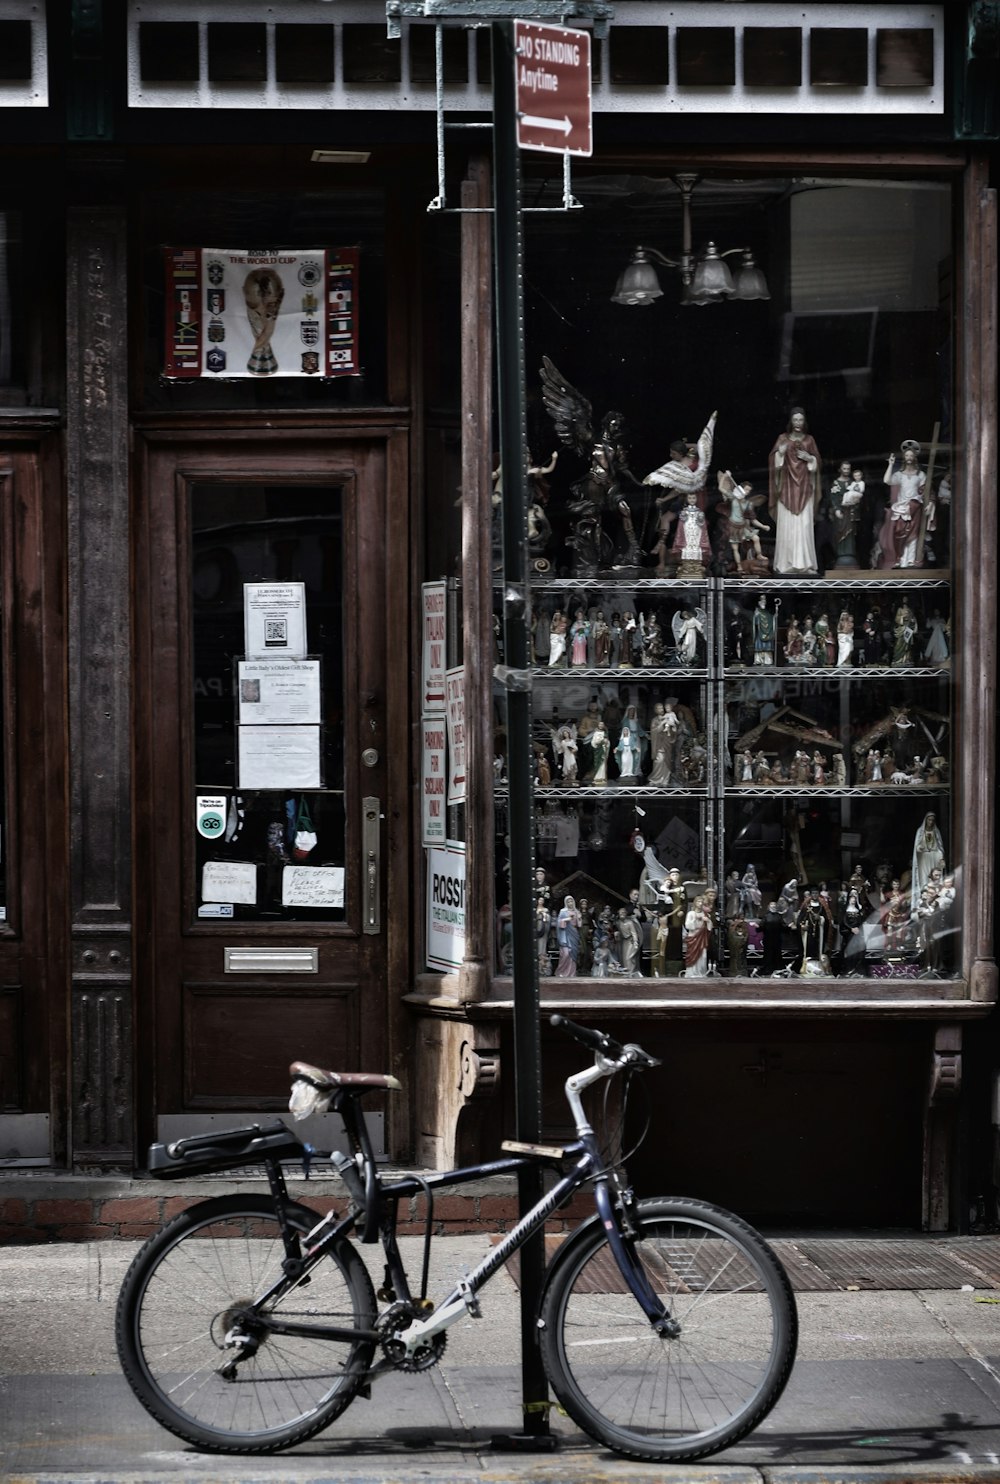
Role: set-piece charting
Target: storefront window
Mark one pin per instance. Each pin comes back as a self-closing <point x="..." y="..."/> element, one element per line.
<point x="742" y="585"/>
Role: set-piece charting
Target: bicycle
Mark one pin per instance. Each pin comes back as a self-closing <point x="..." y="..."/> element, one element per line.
<point x="667" y="1326"/>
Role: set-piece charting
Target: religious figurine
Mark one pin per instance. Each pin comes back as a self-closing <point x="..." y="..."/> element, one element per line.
<point x="664" y="730"/>
<point x="818" y="767"/>
<point x="604" y="960"/>
<point x="814" y="927"/>
<point x="684" y="473"/>
<point x="543" y="769"/>
<point x="628" y="628"/>
<point x="601" y="634"/>
<point x="846" y="493"/>
<point x="750" y="893"/>
<point x="584" y="956"/>
<point x="653" y="652"/>
<point x="600" y="746"/>
<point x="871" y="639"/>
<point x="629" y="935"/>
<point x="928" y="855"/>
<point x="737" y="646"/>
<point x="765" y="632"/>
<point x="899" y="537"/>
<point x="539" y="525"/>
<point x="568" y="938"/>
<point x="687" y="624"/>
<point x="794" y="648"/>
<point x="629" y="747"/>
<point x="904" y="634"/>
<point x="793" y="495"/>
<point x="558" y="629"/>
<point x="564" y="746"/>
<point x="692" y="547"/>
<point x="740" y="526"/>
<point x="810" y="644"/>
<point x="737" y="937"/>
<point x="579" y="633"/>
<point x="602" y="487"/>
<point x="697" y="930"/>
<point x="823" y="639"/>
<point x="896" y="920"/>
<point x="845" y="638"/>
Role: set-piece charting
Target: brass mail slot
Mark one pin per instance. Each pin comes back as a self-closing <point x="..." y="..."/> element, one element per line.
<point x="272" y="960"/>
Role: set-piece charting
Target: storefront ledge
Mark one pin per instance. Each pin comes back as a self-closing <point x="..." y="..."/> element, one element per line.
<point x="87" y="1208"/>
<point x="931" y="999"/>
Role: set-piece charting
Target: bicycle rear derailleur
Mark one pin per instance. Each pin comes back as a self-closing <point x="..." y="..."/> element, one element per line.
<point x="393" y="1324"/>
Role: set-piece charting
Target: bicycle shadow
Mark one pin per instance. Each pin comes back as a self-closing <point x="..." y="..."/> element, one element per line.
<point x="952" y="1439"/>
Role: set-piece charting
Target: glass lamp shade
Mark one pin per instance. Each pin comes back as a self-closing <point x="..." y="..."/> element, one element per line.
<point x="750" y="281"/>
<point x="638" y="284"/>
<point x="712" y="281"/>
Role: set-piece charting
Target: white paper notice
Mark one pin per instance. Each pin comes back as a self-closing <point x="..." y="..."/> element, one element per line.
<point x="229" y="881"/>
<point x="279" y="757"/>
<point x="278" y="690"/>
<point x="274" y="619"/>
<point x="312" y="886"/>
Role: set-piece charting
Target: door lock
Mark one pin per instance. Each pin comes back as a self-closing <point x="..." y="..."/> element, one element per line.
<point x="369" y="757"/>
<point x="371" y="848"/>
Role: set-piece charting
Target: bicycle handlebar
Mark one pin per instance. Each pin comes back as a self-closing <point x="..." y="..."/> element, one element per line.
<point x="601" y="1042"/>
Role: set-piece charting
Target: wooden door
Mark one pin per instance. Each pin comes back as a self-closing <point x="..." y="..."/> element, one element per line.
<point x="33" y="857"/>
<point x="264" y="603"/>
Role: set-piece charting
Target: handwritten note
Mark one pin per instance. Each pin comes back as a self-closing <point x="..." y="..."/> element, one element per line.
<point x="312" y="886"/>
<point x="229" y="881"/>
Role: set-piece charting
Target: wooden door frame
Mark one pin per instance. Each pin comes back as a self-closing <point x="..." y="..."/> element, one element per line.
<point x="204" y="449"/>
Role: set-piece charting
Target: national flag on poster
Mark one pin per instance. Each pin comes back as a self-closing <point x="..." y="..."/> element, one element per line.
<point x="254" y="314"/>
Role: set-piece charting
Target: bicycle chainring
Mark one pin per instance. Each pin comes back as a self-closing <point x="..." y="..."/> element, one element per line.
<point x="394" y="1324"/>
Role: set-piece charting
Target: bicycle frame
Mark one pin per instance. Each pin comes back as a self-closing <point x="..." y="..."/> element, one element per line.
<point x="378" y="1221"/>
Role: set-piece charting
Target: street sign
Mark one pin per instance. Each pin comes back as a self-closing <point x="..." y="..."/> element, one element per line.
<point x="553" y="89"/>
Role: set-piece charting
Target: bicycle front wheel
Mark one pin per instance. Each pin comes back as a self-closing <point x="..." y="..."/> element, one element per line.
<point x="681" y="1398"/>
<point x="193" y="1283"/>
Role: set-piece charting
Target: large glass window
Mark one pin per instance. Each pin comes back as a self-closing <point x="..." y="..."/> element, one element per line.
<point x="742" y="585"/>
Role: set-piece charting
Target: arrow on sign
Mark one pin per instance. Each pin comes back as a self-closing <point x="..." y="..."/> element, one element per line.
<point x="562" y="126"/>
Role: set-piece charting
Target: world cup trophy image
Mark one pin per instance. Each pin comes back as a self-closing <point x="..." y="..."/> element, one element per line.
<point x="263" y="291"/>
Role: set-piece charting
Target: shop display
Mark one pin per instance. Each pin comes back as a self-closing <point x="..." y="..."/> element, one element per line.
<point x="742" y="659"/>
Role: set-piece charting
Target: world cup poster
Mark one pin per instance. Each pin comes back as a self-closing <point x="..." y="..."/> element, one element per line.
<point x="261" y="312"/>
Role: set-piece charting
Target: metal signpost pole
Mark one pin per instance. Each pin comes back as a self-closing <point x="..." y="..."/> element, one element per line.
<point x="512" y="399"/>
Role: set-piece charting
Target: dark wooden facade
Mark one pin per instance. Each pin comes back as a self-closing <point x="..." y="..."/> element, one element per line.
<point x="115" y="1007"/>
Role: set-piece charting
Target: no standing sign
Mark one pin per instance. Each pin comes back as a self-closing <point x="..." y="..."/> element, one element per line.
<point x="553" y="89"/>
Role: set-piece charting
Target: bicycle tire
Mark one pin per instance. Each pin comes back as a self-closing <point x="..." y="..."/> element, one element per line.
<point x="670" y="1399"/>
<point x="184" y="1290"/>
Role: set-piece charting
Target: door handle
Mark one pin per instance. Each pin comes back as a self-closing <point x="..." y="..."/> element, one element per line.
<point x="371" y="849"/>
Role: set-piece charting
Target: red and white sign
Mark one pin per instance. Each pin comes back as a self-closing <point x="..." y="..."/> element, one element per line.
<point x="455" y="715"/>
<point x="434" y="619"/>
<point x="553" y="89"/>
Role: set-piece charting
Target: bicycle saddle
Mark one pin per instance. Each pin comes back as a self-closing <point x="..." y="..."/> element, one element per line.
<point x="363" y="1081"/>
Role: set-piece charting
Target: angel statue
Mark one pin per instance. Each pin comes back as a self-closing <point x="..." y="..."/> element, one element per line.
<point x="600" y="489"/>
<point x="687" y="624"/>
<point x="740" y="525"/>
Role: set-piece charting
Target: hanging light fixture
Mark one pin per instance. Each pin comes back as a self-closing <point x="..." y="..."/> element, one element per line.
<point x="706" y="279"/>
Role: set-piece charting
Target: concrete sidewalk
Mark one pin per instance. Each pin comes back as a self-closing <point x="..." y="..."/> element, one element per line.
<point x="897" y="1378"/>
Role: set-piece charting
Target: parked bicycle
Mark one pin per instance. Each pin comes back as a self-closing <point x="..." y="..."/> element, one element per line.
<point x="667" y="1327"/>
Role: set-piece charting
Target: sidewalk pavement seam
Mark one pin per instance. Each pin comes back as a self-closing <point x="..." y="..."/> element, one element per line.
<point x="970" y="1349"/>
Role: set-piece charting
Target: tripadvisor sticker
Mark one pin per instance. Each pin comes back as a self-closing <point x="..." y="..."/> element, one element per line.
<point x="210" y="815"/>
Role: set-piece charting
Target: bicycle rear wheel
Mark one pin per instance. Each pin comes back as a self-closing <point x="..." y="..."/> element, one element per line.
<point x="682" y="1398"/>
<point x="187" y="1288"/>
